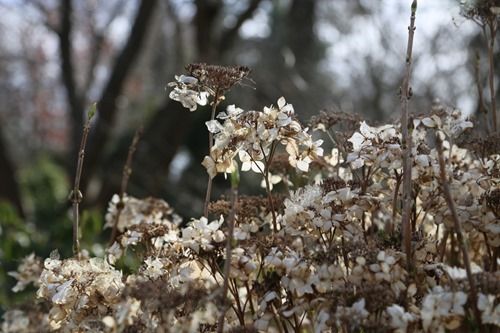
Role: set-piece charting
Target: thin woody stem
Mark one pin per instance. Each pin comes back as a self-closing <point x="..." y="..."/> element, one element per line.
<point x="390" y="226"/>
<point x="127" y="172"/>
<point x="75" y="195"/>
<point x="227" y="264"/>
<point x="265" y="173"/>
<point x="210" y="145"/>
<point x="407" y="142"/>
<point x="456" y="223"/>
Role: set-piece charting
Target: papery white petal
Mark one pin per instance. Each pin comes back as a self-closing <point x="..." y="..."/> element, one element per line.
<point x="281" y="102"/>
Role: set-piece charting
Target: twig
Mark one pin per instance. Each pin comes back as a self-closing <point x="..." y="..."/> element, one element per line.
<point x="407" y="162"/>
<point x="390" y="226"/>
<point x="442" y="246"/>
<point x="127" y="171"/>
<point x="268" y="161"/>
<point x="210" y="145"/>
<point x="488" y="251"/>
<point x="229" y="35"/>
<point x="229" y="248"/>
<point x="265" y="174"/>
<point x="76" y="196"/>
<point x="73" y="94"/>
<point x="97" y="38"/>
<point x="458" y="229"/>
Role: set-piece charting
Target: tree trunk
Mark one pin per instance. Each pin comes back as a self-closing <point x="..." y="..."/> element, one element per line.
<point x="9" y="189"/>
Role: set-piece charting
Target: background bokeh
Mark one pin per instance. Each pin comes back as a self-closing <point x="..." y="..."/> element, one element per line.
<point x="57" y="57"/>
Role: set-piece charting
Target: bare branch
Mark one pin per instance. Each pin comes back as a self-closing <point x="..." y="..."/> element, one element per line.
<point x="41" y="7"/>
<point x="230" y="34"/>
<point x="227" y="264"/>
<point x="68" y="78"/>
<point x="123" y="64"/>
<point x="97" y="39"/>
<point x="205" y="21"/>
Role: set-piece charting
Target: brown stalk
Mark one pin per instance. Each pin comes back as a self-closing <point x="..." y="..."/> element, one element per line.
<point x="407" y="162"/>
<point x="456" y="223"/>
<point x="210" y="145"/>
<point x="442" y="246"/>
<point x="390" y="226"/>
<point x="76" y="196"/>
<point x="229" y="249"/>
<point x="268" y="161"/>
<point x="265" y="174"/>
<point x="127" y="171"/>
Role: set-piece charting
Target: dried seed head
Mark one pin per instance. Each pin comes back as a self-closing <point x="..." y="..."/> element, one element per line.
<point x="217" y="78"/>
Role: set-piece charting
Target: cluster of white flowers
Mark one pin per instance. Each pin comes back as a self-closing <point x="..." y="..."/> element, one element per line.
<point x="149" y="220"/>
<point x="136" y="211"/>
<point x="319" y="215"/>
<point x="19" y="321"/>
<point x="332" y="264"/>
<point x="76" y="286"/>
<point x="399" y="318"/>
<point x="28" y="272"/>
<point x="185" y="91"/>
<point x="490" y="309"/>
<point x="201" y="235"/>
<point x="443" y="310"/>
<point x="379" y="146"/>
<point x="353" y="316"/>
<point x="253" y="137"/>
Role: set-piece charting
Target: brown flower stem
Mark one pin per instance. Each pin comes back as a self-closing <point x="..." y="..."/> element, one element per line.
<point x="229" y="248"/>
<point x="442" y="249"/>
<point x="249" y="298"/>
<point x="265" y="173"/>
<point x="458" y="228"/>
<point x="237" y="307"/>
<point x="210" y="145"/>
<point x="345" y="256"/>
<point x="75" y="195"/>
<point x="296" y="323"/>
<point x="407" y="142"/>
<point x="488" y="250"/>
<point x="271" y="203"/>
<point x="390" y="226"/>
<point x="279" y="324"/>
<point x="126" y="173"/>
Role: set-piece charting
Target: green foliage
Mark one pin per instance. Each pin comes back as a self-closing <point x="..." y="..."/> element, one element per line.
<point x="45" y="189"/>
<point x="15" y="242"/>
<point x="47" y="227"/>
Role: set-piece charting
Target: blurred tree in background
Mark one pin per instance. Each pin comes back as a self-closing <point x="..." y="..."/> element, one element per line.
<point x="56" y="57"/>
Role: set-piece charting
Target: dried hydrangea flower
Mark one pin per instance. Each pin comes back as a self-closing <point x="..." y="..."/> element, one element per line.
<point x="28" y="272"/>
<point x="205" y="81"/>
